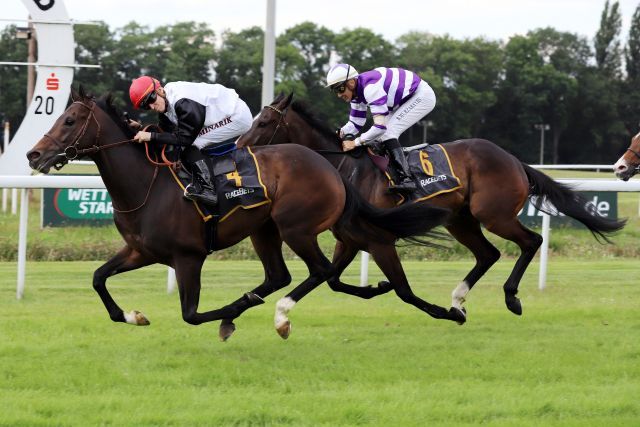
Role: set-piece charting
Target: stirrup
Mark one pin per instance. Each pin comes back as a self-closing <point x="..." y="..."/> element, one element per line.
<point x="205" y="196"/>
<point x="406" y="185"/>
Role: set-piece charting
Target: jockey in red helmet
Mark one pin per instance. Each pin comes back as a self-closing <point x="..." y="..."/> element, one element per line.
<point x="198" y="114"/>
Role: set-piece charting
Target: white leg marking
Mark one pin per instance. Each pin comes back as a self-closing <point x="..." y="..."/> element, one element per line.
<point x="283" y="306"/>
<point x="131" y="317"/>
<point x="458" y="295"/>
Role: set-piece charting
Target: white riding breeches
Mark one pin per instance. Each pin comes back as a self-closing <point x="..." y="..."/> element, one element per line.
<point x="408" y="114"/>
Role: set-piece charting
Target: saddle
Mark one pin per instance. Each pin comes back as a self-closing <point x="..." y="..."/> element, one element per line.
<point x="430" y="168"/>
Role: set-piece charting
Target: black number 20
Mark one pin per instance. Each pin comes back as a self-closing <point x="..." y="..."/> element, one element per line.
<point x="48" y="105"/>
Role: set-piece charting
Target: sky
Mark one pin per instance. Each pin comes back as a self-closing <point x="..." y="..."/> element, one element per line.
<point x="493" y="19"/>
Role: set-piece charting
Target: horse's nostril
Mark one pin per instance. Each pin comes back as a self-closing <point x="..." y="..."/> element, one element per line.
<point x="33" y="155"/>
<point x="622" y="167"/>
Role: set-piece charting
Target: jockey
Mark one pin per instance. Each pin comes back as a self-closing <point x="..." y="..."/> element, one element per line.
<point x="198" y="114"/>
<point x="397" y="98"/>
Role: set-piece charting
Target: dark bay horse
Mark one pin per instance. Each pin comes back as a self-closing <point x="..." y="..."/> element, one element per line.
<point x="495" y="186"/>
<point x="307" y="196"/>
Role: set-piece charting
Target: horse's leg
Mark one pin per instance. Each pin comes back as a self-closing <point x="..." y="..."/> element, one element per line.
<point x="268" y="246"/>
<point x="529" y="242"/>
<point x="188" y="270"/>
<point x="320" y="269"/>
<point x="343" y="254"/>
<point x="466" y="230"/>
<point x="386" y="257"/>
<point x="126" y="259"/>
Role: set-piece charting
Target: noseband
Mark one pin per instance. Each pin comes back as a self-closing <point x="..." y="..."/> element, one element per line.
<point x="281" y="121"/>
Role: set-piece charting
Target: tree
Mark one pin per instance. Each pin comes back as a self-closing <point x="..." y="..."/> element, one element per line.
<point x="239" y="64"/>
<point x="364" y="50"/>
<point x="94" y="46"/>
<point x="188" y="50"/>
<point x="607" y="42"/>
<point x="13" y="78"/>
<point x="464" y="75"/>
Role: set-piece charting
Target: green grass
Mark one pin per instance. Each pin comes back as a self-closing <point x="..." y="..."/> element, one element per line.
<point x="571" y="359"/>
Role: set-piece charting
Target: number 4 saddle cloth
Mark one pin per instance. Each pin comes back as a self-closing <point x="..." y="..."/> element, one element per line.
<point x="237" y="182"/>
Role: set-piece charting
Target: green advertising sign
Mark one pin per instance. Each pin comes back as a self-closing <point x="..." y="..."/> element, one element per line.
<point x="76" y="206"/>
<point x="603" y="202"/>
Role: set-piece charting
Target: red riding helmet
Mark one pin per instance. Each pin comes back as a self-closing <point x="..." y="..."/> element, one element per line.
<point x="141" y="90"/>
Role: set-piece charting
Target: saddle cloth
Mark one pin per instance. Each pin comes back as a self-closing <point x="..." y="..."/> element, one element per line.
<point x="432" y="171"/>
<point x="237" y="182"/>
<point x="430" y="168"/>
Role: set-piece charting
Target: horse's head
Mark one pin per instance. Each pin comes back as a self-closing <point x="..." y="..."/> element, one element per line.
<point x="73" y="132"/>
<point x="628" y="165"/>
<point x="271" y="126"/>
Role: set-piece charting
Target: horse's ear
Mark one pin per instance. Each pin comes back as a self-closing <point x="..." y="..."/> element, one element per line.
<point x="75" y="96"/>
<point x="287" y="102"/>
<point x="278" y="98"/>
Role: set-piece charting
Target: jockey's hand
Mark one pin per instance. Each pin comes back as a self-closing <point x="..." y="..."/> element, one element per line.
<point x="142" y="137"/>
<point x="134" y="125"/>
<point x="348" y="145"/>
<point x="340" y="133"/>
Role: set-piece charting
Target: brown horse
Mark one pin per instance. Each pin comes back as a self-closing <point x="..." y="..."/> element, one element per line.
<point x="307" y="195"/>
<point x="494" y="188"/>
<point x="629" y="163"/>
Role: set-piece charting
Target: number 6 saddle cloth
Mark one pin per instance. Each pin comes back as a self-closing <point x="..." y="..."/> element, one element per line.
<point x="431" y="170"/>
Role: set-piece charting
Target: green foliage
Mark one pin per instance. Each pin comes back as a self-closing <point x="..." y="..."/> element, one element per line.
<point x="607" y="40"/>
<point x="495" y="90"/>
<point x="13" y="78"/>
<point x="239" y="64"/>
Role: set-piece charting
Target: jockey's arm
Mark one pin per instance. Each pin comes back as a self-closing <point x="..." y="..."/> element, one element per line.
<point x="377" y="130"/>
<point x="191" y="117"/>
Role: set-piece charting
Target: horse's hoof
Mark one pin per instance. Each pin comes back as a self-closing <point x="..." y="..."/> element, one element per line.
<point x="226" y="330"/>
<point x="458" y="315"/>
<point x="136" y="318"/>
<point x="513" y="304"/>
<point x="384" y="287"/>
<point x="284" y="330"/>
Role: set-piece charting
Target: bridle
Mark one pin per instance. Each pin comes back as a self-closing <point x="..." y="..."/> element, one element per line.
<point x="281" y="121"/>
<point x="72" y="152"/>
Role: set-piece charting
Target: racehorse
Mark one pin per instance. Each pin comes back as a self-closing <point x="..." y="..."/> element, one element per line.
<point x="629" y="163"/>
<point x="494" y="187"/>
<point x="307" y="195"/>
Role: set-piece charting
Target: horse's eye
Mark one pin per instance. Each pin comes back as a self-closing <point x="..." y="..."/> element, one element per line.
<point x="262" y="124"/>
<point x="69" y="121"/>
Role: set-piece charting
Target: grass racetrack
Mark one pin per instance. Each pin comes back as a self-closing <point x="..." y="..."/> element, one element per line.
<point x="573" y="358"/>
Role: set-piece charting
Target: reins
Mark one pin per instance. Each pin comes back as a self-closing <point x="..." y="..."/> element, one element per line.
<point x="72" y="152"/>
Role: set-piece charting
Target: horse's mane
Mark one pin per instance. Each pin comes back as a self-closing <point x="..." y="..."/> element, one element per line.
<point x="105" y="102"/>
<point x="304" y="110"/>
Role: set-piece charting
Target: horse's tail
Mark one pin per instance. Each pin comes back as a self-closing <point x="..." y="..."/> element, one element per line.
<point x="413" y="222"/>
<point x="569" y="203"/>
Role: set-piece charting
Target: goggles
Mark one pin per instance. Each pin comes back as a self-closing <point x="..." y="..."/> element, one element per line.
<point x="150" y="98"/>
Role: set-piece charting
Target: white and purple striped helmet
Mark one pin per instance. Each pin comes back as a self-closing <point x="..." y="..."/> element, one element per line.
<point x="340" y="73"/>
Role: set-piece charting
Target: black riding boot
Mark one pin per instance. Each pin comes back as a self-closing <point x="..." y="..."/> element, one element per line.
<point x="400" y="165"/>
<point x="201" y="188"/>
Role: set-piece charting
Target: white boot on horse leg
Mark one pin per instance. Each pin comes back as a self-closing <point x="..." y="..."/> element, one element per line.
<point x="458" y="296"/>
<point x="134" y="317"/>
<point x="282" y="323"/>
